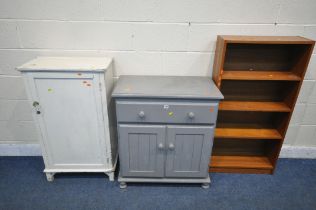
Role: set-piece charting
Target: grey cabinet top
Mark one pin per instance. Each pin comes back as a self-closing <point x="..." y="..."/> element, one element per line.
<point x="166" y="87"/>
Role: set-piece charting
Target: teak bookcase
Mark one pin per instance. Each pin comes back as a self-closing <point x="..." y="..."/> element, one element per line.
<point x="260" y="78"/>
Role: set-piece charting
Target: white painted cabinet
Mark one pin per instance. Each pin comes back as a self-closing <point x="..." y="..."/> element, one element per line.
<point x="71" y="100"/>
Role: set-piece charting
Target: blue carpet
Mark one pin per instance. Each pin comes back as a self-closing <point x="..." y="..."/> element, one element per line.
<point x="24" y="186"/>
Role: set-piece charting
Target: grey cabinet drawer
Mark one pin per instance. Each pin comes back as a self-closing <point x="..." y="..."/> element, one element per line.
<point x="166" y="111"/>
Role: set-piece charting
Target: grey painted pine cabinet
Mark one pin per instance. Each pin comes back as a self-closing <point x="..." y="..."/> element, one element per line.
<point x="165" y="127"/>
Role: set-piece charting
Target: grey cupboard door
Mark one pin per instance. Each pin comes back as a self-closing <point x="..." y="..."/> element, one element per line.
<point x="141" y="150"/>
<point x="188" y="150"/>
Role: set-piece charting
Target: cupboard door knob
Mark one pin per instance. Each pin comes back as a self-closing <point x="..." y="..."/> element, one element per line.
<point x="160" y="146"/>
<point x="141" y="114"/>
<point x="37" y="107"/>
<point x="171" y="146"/>
<point x="191" y="115"/>
<point x="35" y="104"/>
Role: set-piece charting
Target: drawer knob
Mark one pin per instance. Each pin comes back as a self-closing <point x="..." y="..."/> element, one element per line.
<point x="191" y="115"/>
<point x="141" y="114"/>
<point x="161" y="146"/>
<point x="171" y="146"/>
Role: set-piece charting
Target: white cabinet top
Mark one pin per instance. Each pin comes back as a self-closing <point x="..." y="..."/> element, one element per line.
<point x="67" y="64"/>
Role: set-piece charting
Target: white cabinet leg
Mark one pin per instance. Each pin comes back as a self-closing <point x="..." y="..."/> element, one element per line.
<point x="50" y="176"/>
<point x="111" y="176"/>
<point x="123" y="185"/>
<point x="205" y="185"/>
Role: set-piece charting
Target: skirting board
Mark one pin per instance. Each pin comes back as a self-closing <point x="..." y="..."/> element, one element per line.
<point x="20" y="150"/>
<point x="298" y="152"/>
<point x="35" y="150"/>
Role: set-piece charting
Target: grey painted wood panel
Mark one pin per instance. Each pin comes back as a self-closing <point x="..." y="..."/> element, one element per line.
<point x="139" y="152"/>
<point x="167" y="111"/>
<point x="183" y="87"/>
<point x="192" y="148"/>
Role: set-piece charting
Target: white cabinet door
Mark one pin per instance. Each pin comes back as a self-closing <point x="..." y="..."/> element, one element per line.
<point x="69" y="120"/>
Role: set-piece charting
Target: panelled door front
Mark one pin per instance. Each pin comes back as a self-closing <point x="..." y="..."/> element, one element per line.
<point x="189" y="149"/>
<point x="68" y="119"/>
<point x="141" y="150"/>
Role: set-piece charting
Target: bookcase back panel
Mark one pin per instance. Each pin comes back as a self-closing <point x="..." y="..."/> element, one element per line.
<point x="257" y="90"/>
<point x="237" y="119"/>
<point x="243" y="147"/>
<point x="262" y="57"/>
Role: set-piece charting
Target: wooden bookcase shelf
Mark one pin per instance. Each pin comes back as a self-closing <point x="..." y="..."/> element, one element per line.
<point x="260" y="162"/>
<point x="260" y="78"/>
<point x="259" y="75"/>
<point x="245" y="156"/>
<point x="254" y="106"/>
<point x="241" y="164"/>
<point x="247" y="133"/>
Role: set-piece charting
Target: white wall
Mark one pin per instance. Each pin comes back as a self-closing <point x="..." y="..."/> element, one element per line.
<point x="160" y="37"/>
